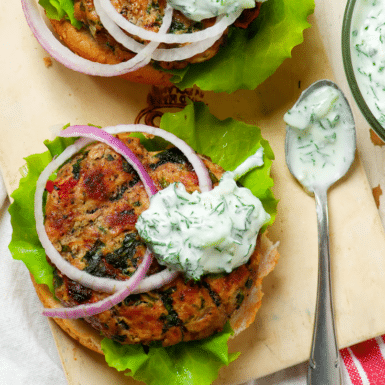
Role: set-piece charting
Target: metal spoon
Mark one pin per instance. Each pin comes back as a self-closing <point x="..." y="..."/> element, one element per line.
<point x="324" y="365"/>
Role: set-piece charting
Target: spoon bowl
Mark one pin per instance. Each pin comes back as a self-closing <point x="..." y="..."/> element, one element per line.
<point x="320" y="147"/>
<point x="325" y="175"/>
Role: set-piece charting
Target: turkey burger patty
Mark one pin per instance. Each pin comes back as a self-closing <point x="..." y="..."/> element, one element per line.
<point x="91" y="210"/>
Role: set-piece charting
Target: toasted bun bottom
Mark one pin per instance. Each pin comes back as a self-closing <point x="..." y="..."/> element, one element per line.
<point x="240" y="320"/>
<point x="82" y="43"/>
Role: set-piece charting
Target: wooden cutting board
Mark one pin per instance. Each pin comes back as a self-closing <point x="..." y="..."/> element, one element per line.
<point x="35" y="98"/>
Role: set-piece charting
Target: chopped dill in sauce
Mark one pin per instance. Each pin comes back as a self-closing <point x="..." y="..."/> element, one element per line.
<point x="318" y="129"/>
<point x="368" y="54"/>
<point x="204" y="9"/>
<point x="209" y="232"/>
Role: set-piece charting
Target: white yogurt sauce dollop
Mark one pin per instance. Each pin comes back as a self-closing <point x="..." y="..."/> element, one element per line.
<point x="209" y="232"/>
<point x="320" y="131"/>
<point x="204" y="9"/>
<point x="368" y="54"/>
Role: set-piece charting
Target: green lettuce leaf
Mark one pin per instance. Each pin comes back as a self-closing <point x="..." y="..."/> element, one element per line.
<point x="228" y="143"/>
<point x="59" y="9"/>
<point x="252" y="55"/>
<point x="25" y="244"/>
<point x="192" y="363"/>
<point x="249" y="56"/>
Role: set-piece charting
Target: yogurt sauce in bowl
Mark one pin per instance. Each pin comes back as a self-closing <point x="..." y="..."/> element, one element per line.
<point x="363" y="43"/>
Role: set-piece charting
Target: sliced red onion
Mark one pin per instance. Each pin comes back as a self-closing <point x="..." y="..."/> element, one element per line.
<point x="147" y="284"/>
<point x="159" y="54"/>
<point x="91" y="309"/>
<point x="200" y="169"/>
<point x="127" y="41"/>
<point x="137" y="283"/>
<point x="115" y="31"/>
<point x="156" y="281"/>
<point x="184" y="52"/>
<point x="69" y="59"/>
<point x="99" y="135"/>
<point x="219" y="27"/>
<point x="86" y="279"/>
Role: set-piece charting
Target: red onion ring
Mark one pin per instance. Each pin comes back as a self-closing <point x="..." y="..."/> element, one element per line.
<point x="137" y="283"/>
<point x="133" y="45"/>
<point x="156" y="281"/>
<point x="184" y="52"/>
<point x="70" y="60"/>
<point x="200" y="169"/>
<point x="86" y="279"/>
<point x="89" y="310"/>
<point x="99" y="135"/>
<point x="219" y="27"/>
<point x="115" y="31"/>
<point x="159" y="54"/>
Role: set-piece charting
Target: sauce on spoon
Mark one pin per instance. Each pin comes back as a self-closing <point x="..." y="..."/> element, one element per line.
<point x="320" y="134"/>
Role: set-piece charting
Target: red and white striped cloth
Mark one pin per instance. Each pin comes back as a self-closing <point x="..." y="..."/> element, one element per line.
<point x="362" y="364"/>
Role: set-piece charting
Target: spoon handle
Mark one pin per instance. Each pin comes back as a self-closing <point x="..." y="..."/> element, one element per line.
<point x="324" y="365"/>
